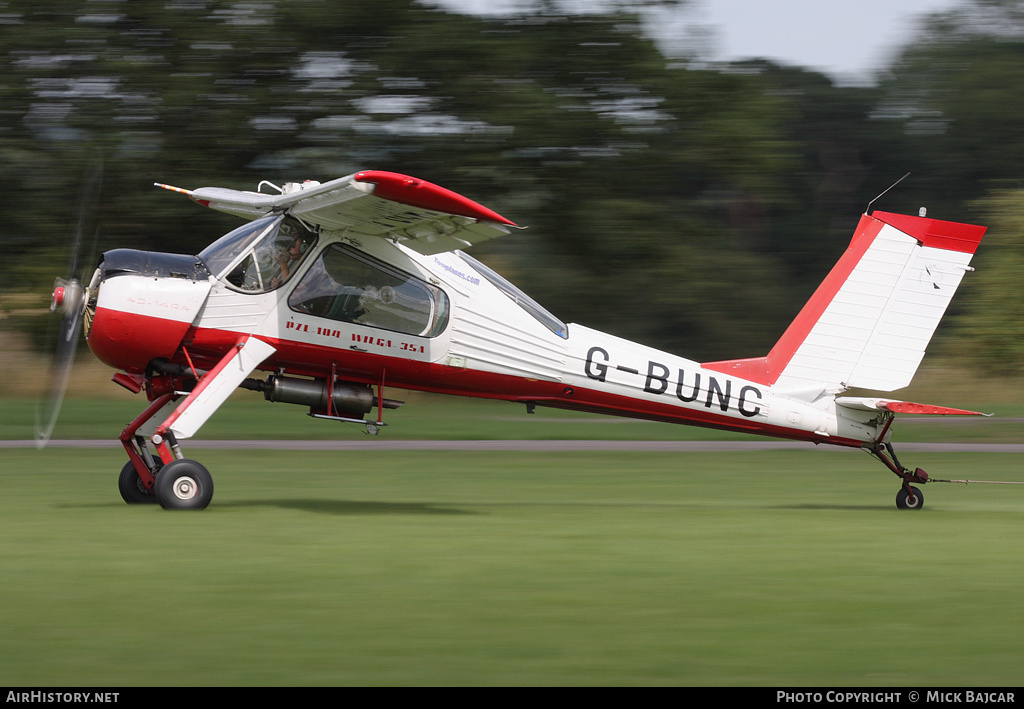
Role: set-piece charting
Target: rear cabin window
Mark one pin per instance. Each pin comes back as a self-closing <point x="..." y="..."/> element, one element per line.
<point x="349" y="286"/>
<point x="521" y="299"/>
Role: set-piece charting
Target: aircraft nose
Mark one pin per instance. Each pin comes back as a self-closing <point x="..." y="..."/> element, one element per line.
<point x="144" y="307"/>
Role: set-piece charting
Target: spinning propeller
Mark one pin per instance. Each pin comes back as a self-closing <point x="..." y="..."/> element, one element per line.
<point x="70" y="298"/>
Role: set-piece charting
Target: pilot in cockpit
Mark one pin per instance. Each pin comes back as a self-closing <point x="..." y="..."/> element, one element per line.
<point x="288" y="252"/>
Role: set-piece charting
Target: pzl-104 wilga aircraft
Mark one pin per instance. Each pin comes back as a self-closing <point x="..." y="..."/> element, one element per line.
<point x="341" y="290"/>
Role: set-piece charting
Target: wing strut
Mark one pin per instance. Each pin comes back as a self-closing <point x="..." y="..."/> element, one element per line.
<point x="212" y="390"/>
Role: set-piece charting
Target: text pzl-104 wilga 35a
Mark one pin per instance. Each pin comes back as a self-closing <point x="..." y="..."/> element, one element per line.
<point x="343" y="289"/>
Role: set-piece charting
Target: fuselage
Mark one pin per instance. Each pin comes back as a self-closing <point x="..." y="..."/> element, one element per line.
<point x="374" y="312"/>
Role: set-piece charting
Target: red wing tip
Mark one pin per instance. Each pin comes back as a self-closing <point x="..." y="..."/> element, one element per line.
<point x="426" y="195"/>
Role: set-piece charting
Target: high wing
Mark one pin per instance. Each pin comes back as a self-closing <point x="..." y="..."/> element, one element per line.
<point x="421" y="215"/>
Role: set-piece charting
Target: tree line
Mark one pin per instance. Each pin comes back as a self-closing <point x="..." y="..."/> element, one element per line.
<point x="692" y="208"/>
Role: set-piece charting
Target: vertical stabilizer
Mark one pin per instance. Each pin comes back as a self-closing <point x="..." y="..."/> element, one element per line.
<point x="868" y="324"/>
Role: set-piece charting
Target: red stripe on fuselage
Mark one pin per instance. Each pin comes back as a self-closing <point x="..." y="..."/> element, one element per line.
<point x="127" y="341"/>
<point x="208" y="346"/>
<point x="156" y="337"/>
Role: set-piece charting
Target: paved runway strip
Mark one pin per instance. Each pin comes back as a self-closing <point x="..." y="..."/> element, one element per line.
<point x="533" y="445"/>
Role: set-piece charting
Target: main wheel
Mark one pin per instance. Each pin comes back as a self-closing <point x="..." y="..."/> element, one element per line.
<point x="906" y="501"/>
<point x="183" y="485"/>
<point x="131" y="488"/>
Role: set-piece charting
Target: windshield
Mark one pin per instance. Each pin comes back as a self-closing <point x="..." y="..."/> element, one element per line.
<point x="225" y="250"/>
<point x="261" y="255"/>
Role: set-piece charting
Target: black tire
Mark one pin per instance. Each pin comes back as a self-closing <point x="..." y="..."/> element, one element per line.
<point x="905" y="501"/>
<point x="131" y="488"/>
<point x="184" y="485"/>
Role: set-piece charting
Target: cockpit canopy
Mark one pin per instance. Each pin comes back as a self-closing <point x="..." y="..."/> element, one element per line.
<point x="261" y="255"/>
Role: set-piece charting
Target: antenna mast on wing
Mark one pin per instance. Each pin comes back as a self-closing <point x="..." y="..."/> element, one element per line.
<point x="883" y="192"/>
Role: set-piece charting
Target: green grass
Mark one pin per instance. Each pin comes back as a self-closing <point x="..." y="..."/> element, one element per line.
<point x="774" y="568"/>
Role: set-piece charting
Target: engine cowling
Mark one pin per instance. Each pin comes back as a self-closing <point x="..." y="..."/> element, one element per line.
<point x="145" y="304"/>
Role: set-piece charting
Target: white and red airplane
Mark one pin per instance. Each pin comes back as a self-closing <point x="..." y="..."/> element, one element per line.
<point x="343" y="289"/>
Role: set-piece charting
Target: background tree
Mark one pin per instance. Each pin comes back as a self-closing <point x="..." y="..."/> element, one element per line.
<point x="688" y="207"/>
<point x="988" y="326"/>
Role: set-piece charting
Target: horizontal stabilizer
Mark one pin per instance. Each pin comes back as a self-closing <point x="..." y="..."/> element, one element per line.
<point x="902" y="407"/>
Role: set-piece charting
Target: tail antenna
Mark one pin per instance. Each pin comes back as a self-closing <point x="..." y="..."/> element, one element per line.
<point x="884" y="191"/>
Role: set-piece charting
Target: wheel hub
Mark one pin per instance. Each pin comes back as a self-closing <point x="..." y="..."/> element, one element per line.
<point x="185" y="488"/>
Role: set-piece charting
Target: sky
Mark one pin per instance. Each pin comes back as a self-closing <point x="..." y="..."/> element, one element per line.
<point x="849" y="40"/>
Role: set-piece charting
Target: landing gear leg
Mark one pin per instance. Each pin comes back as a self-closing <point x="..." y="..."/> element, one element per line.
<point x="183" y="483"/>
<point x="138" y="476"/>
<point x="909" y="497"/>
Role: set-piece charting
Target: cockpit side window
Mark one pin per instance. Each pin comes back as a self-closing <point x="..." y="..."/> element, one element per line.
<point x="263" y="255"/>
<point x="349" y="286"/>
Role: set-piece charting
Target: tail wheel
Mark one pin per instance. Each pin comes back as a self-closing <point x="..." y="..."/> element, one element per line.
<point x="184" y="485"/>
<point x="909" y="498"/>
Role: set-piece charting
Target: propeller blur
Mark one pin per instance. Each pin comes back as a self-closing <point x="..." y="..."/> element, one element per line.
<point x="69" y="301"/>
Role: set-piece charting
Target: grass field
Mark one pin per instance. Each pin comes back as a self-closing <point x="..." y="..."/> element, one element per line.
<point x="786" y="568"/>
<point x="413" y="568"/>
